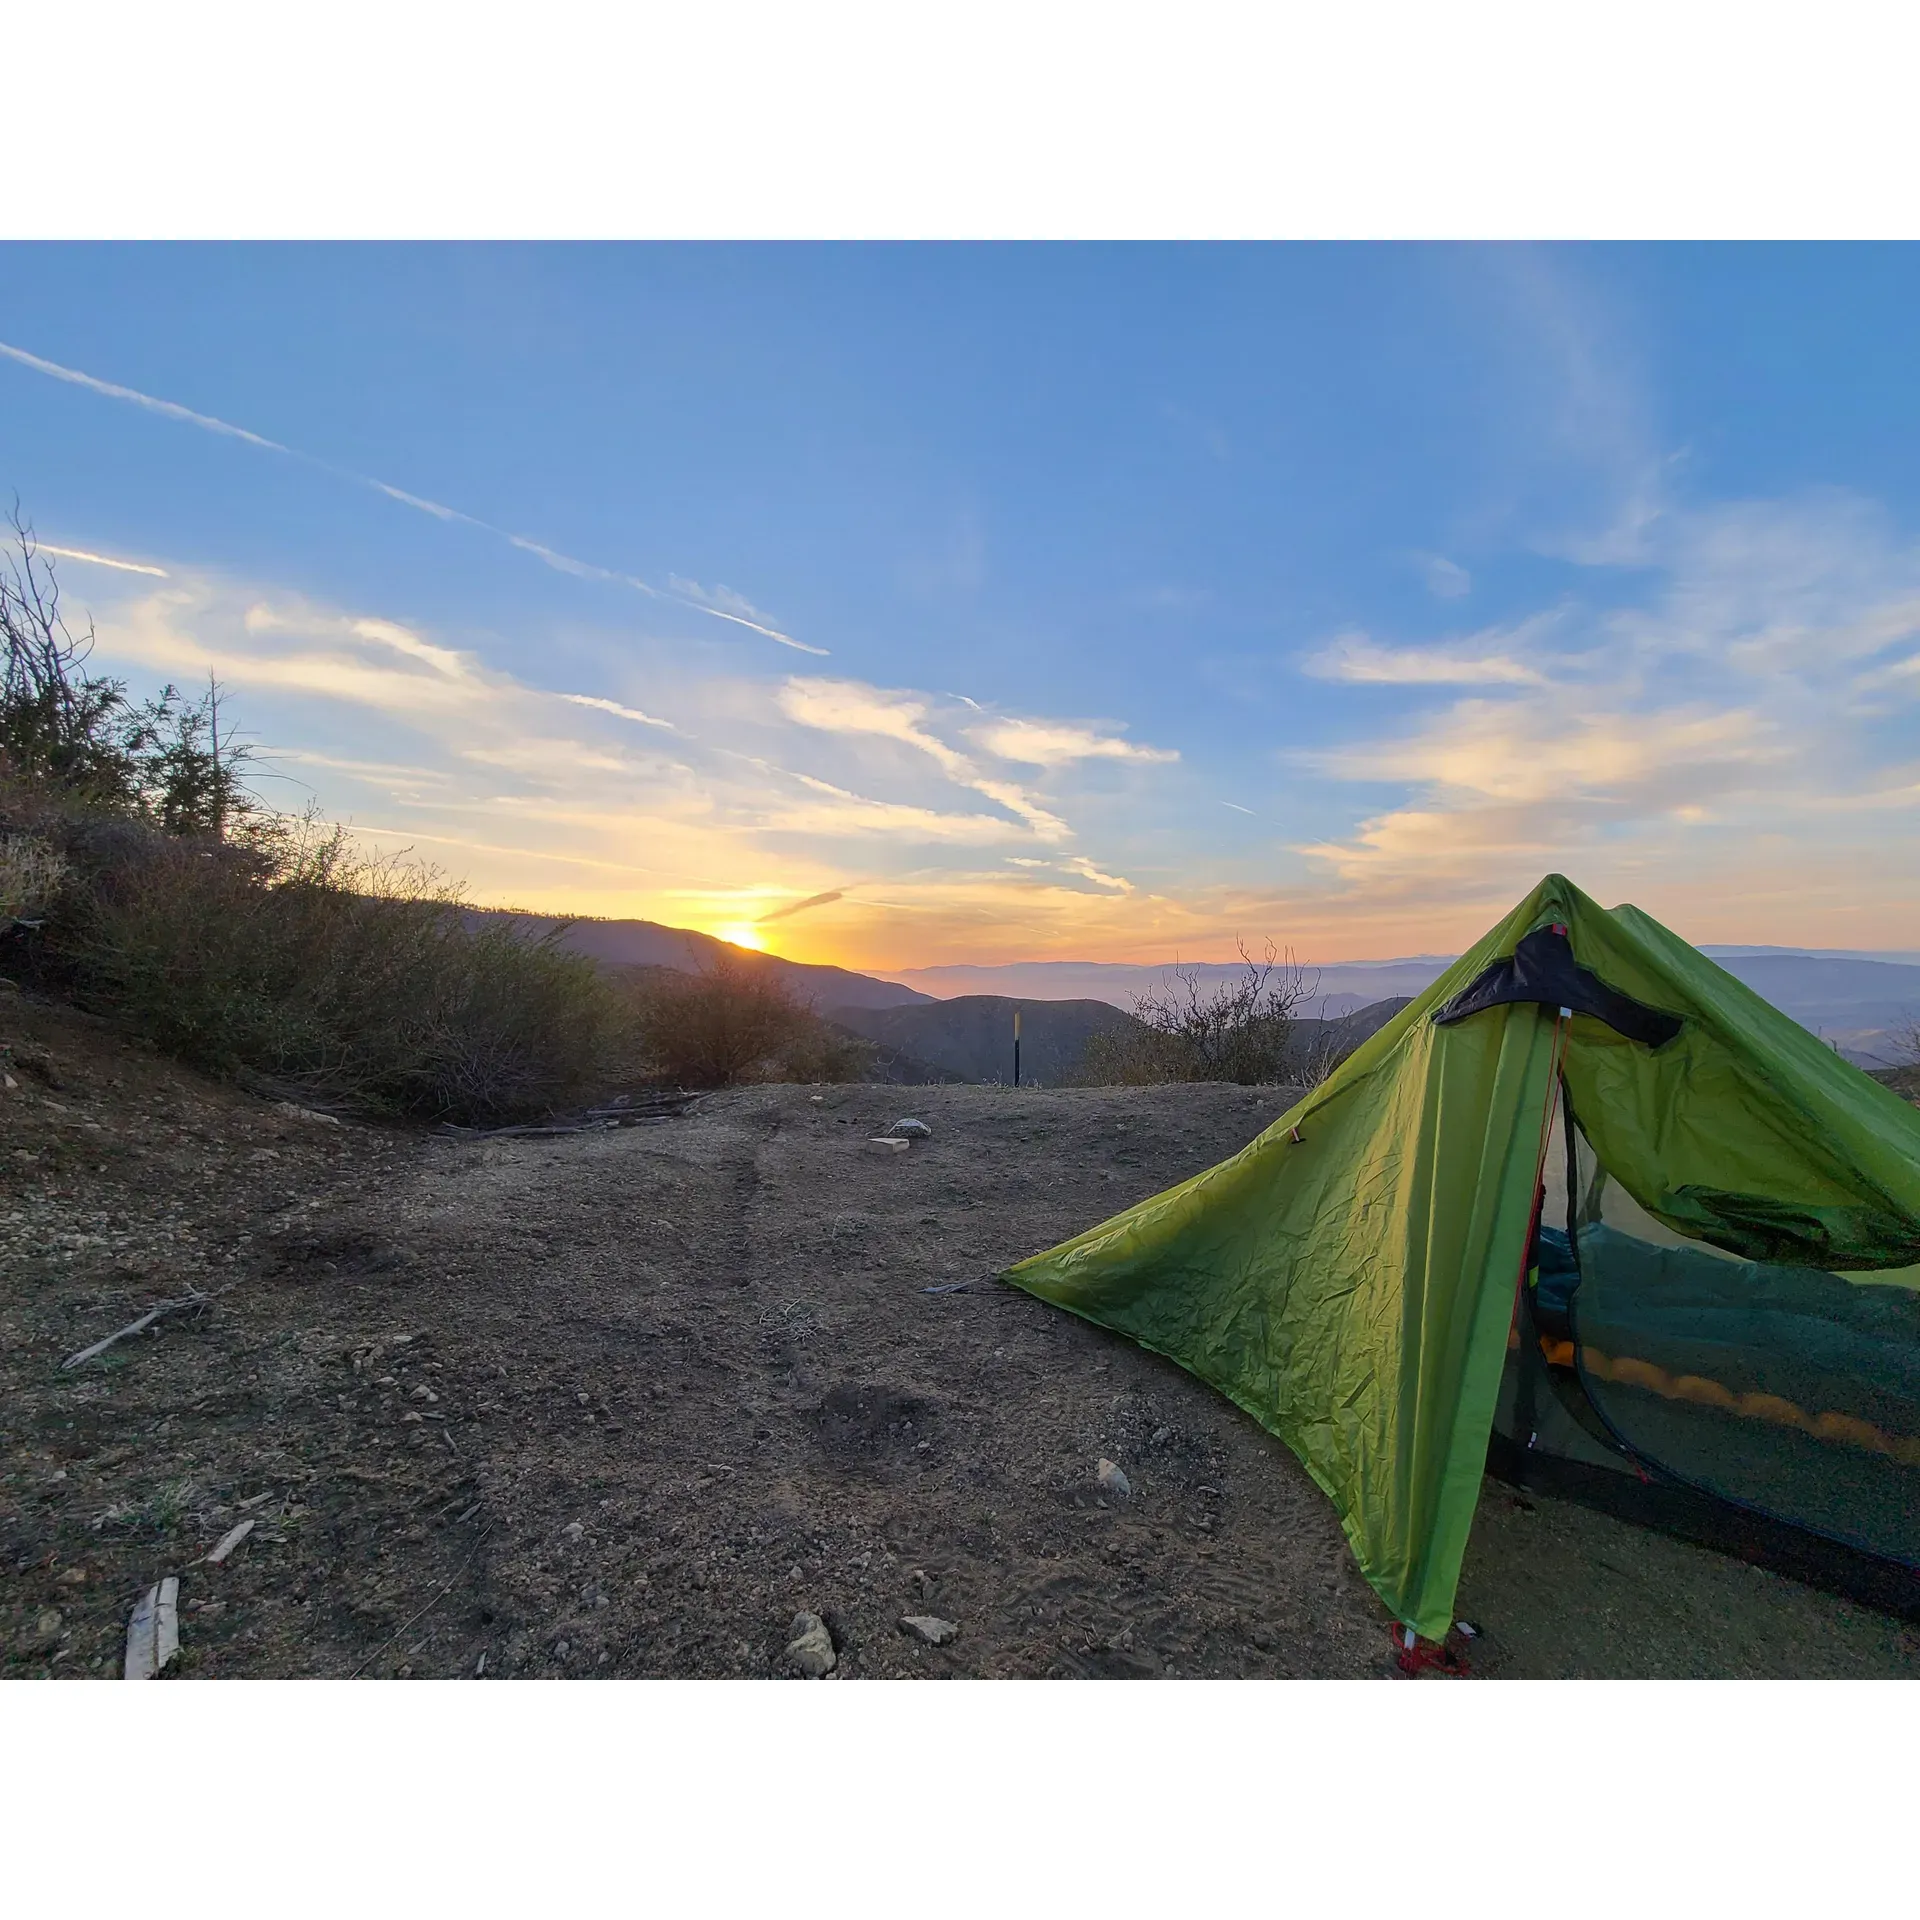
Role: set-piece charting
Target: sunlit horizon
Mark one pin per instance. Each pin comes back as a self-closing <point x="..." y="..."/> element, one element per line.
<point x="909" y="607"/>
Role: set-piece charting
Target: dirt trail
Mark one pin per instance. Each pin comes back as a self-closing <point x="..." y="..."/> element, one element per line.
<point x="625" y="1403"/>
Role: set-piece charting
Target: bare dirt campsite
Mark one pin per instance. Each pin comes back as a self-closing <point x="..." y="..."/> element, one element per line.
<point x="626" y="1402"/>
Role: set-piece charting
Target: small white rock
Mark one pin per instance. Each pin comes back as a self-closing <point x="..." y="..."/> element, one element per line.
<point x="884" y="1145"/>
<point x="573" y="1530"/>
<point x="925" y="1626"/>
<point x="1113" y="1481"/>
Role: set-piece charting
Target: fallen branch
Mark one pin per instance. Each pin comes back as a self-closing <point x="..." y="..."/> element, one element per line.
<point x="291" y="1093"/>
<point x="138" y="1326"/>
<point x="625" y="1113"/>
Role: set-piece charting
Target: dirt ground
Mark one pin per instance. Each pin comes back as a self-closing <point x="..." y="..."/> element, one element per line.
<point x="625" y="1403"/>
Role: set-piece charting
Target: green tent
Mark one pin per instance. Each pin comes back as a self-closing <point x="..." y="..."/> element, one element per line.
<point x="1589" y="1186"/>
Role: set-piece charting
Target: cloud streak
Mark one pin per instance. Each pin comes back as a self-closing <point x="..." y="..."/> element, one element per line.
<point x="1358" y="660"/>
<point x="169" y="409"/>
<point x="100" y="559"/>
<point x="803" y="906"/>
<point x="1703" y="740"/>
<point x="1048" y="743"/>
<point x="614" y="707"/>
<point x="438" y="510"/>
<point x="853" y="707"/>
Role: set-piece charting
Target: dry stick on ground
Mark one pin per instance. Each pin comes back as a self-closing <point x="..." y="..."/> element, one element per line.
<point x="138" y="1326"/>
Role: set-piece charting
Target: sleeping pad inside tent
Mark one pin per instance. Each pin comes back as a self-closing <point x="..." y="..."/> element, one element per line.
<point x="1589" y="1201"/>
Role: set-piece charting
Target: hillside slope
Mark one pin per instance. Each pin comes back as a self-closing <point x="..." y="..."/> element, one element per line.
<point x="646" y="943"/>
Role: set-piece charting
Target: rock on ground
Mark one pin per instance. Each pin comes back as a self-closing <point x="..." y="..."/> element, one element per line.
<point x="925" y="1626"/>
<point x="810" y="1647"/>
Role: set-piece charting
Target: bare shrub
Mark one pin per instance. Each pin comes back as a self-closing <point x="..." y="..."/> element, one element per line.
<point x="733" y="1023"/>
<point x="1240" y="1030"/>
<point x="68" y="731"/>
<point x="1313" y="1065"/>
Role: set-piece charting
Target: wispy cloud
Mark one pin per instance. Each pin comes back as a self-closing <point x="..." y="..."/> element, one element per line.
<point x="853" y="707"/>
<point x="1238" y="808"/>
<point x="614" y="707"/>
<point x="1532" y="752"/>
<point x="1050" y="743"/>
<point x="100" y="559"/>
<point x="550" y="556"/>
<point x="1446" y="579"/>
<point x="1701" y="740"/>
<point x="1080" y="864"/>
<point x="804" y="906"/>
<point x="1355" y="658"/>
<point x="418" y="742"/>
<point x="841" y="812"/>
<point x="433" y="507"/>
<point x="724" y="604"/>
<point x="1587" y="404"/>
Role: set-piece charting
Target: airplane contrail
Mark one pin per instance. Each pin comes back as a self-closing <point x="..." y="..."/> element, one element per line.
<point x="560" y="562"/>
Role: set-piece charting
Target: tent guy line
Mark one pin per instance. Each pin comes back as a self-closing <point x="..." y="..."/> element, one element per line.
<point x="434" y="509"/>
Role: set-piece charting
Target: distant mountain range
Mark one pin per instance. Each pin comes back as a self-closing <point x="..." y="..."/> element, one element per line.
<point x="971" y="1036"/>
<point x="1864" y="1003"/>
<point x="1338" y="989"/>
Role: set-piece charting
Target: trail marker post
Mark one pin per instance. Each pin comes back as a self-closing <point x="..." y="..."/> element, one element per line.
<point x="1016" y="1046"/>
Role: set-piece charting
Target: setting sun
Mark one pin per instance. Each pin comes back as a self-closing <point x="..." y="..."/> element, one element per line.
<point x="743" y="934"/>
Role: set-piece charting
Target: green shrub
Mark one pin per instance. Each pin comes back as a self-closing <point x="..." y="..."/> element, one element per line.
<point x="139" y="873"/>
<point x="732" y="1023"/>
<point x="365" y="982"/>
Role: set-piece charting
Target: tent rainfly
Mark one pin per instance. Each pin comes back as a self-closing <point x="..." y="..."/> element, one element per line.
<point x="1588" y="1199"/>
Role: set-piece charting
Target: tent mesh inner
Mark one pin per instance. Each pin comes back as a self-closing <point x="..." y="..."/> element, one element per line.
<point x="1788" y="1390"/>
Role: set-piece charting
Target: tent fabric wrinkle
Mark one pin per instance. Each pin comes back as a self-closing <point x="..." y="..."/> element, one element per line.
<point x="1349" y="1277"/>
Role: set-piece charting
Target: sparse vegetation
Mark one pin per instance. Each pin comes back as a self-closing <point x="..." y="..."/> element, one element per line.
<point x="32" y="874"/>
<point x="140" y="875"/>
<point x="1241" y="1030"/>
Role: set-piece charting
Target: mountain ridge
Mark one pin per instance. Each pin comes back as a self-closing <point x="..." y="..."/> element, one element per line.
<point x="649" y="943"/>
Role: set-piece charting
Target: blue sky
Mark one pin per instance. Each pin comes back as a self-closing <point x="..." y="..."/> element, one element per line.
<point x="1032" y="602"/>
